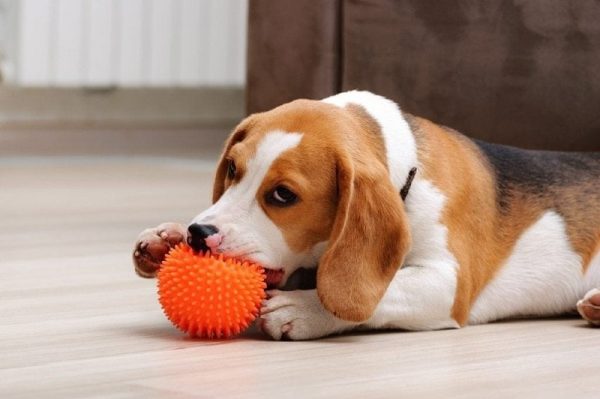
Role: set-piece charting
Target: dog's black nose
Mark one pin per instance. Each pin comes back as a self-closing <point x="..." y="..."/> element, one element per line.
<point x="197" y="235"/>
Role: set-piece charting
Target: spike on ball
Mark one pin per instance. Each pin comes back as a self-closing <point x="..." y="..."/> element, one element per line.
<point x="208" y="296"/>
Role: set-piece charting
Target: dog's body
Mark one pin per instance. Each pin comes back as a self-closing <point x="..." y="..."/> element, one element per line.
<point x="485" y="232"/>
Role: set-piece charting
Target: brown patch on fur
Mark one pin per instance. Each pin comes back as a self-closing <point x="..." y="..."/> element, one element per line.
<point x="309" y="171"/>
<point x="370" y="130"/>
<point x="339" y="172"/>
<point x="453" y="166"/>
<point x="483" y="224"/>
<point x="582" y="216"/>
<point x="567" y="183"/>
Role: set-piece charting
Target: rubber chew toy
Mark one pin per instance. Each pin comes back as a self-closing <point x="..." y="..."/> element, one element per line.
<point x="207" y="296"/>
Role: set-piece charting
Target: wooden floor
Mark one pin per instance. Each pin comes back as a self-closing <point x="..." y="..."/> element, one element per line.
<point x="76" y="322"/>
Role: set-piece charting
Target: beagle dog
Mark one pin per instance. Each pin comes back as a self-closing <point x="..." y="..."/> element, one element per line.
<point x="483" y="232"/>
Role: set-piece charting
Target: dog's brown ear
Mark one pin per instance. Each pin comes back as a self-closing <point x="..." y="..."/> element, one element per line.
<point x="238" y="135"/>
<point x="368" y="242"/>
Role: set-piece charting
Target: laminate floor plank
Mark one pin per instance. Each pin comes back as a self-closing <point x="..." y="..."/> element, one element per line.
<point x="77" y="322"/>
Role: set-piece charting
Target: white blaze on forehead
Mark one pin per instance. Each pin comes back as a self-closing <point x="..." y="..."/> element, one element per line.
<point x="240" y="217"/>
<point x="401" y="149"/>
<point x="277" y="252"/>
<point x="268" y="150"/>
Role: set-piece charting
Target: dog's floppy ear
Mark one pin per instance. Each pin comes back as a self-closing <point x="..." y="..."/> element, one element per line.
<point x="219" y="184"/>
<point x="369" y="240"/>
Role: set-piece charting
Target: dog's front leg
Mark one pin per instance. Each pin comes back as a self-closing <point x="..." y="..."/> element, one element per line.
<point x="298" y="315"/>
<point x="418" y="298"/>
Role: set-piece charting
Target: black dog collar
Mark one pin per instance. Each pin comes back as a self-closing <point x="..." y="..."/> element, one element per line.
<point x="409" y="180"/>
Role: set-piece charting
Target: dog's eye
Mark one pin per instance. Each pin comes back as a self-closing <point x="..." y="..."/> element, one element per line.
<point x="231" y="169"/>
<point x="282" y="196"/>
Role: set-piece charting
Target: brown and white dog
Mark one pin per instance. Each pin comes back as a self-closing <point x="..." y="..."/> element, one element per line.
<point x="486" y="232"/>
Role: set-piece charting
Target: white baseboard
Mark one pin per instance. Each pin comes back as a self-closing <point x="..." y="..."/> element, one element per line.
<point x="120" y="106"/>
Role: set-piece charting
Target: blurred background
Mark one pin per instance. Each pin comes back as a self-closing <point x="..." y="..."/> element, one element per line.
<point x="112" y="116"/>
<point x="116" y="74"/>
<point x="104" y="104"/>
<point x="523" y="73"/>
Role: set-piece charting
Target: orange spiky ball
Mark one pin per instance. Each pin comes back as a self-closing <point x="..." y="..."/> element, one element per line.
<point x="208" y="296"/>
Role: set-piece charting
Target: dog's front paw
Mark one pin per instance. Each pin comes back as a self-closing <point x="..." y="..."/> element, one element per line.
<point x="298" y="315"/>
<point x="589" y="307"/>
<point x="153" y="244"/>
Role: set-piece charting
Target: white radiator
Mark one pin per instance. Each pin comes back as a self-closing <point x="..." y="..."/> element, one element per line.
<point x="130" y="43"/>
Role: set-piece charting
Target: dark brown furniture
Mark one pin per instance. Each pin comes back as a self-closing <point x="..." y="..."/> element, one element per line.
<point x="521" y="72"/>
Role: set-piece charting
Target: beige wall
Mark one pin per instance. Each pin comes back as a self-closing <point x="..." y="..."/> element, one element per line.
<point x="128" y="43"/>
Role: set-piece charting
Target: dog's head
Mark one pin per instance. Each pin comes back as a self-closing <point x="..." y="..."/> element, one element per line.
<point x="307" y="184"/>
